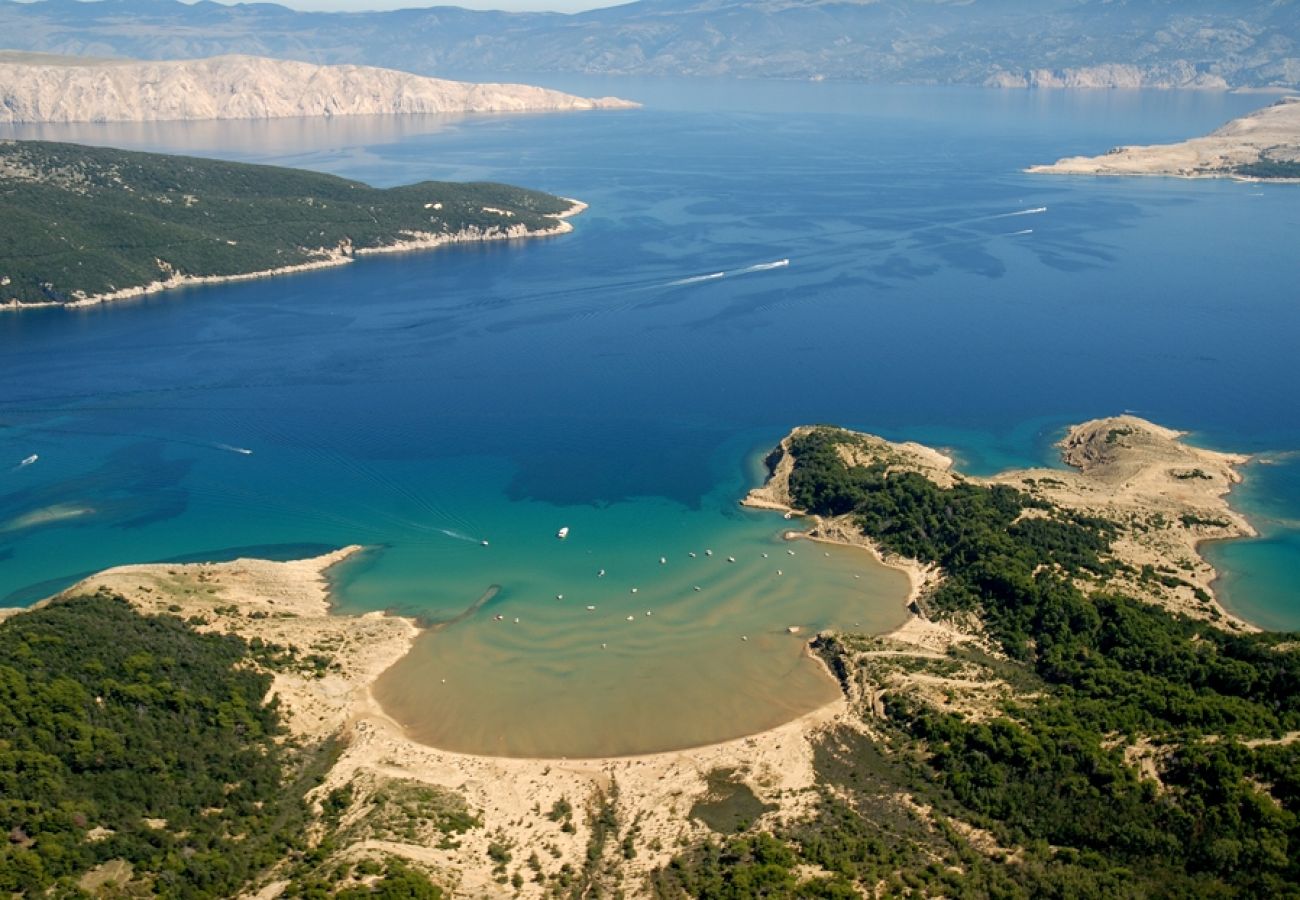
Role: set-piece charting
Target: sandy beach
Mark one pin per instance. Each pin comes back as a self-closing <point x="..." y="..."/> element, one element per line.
<point x="1124" y="468"/>
<point x="288" y="603"/>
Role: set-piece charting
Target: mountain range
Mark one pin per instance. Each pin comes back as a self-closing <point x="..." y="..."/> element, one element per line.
<point x="1010" y="43"/>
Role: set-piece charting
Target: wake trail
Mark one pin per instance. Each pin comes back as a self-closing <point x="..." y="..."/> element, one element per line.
<point x="714" y="276"/>
<point x="696" y="279"/>
<point x="1021" y="212"/>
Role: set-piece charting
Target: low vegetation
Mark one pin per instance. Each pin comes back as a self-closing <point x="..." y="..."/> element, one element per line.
<point x="136" y="742"/>
<point x="1265" y="167"/>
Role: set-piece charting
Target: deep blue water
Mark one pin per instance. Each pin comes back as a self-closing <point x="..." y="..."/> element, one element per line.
<point x="472" y="389"/>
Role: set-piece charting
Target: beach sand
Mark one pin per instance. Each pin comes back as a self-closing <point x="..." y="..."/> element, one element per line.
<point x="288" y="603"/>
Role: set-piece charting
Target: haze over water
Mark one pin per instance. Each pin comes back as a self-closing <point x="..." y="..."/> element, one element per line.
<point x="611" y="381"/>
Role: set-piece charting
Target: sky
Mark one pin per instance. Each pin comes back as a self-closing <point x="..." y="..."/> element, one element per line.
<point x="512" y="5"/>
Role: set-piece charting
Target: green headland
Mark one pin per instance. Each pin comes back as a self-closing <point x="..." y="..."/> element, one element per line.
<point x="84" y="224"/>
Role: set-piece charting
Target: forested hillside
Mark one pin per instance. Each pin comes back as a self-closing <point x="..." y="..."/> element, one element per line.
<point x="89" y="221"/>
<point x="1123" y="750"/>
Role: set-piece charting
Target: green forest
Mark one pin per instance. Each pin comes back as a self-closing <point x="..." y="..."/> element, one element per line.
<point x="133" y="739"/>
<point x="90" y="220"/>
<point x="1048" y="776"/>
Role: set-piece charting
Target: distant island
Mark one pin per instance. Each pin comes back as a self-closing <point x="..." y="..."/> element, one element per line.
<point x="1067" y="712"/>
<point x="89" y="224"/>
<point x="47" y="88"/>
<point x="1195" y="44"/>
<point x="1264" y="145"/>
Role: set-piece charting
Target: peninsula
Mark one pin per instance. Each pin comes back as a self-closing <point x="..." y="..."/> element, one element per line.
<point x="1067" y="710"/>
<point x="91" y="224"/>
<point x="48" y="88"/>
<point x="1264" y="145"/>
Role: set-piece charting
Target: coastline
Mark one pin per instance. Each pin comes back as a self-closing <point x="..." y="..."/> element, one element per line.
<point x="327" y="690"/>
<point x="290" y="604"/>
<point x="1268" y="136"/>
<point x="1124" y="469"/>
<point x="327" y="258"/>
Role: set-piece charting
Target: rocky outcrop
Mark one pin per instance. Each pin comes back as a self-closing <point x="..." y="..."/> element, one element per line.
<point x="54" y="89"/>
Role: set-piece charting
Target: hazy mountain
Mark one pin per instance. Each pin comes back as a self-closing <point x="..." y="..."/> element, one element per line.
<point x="1008" y="42"/>
<point x="45" y="88"/>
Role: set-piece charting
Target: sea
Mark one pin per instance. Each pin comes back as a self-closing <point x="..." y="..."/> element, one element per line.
<point x="756" y="256"/>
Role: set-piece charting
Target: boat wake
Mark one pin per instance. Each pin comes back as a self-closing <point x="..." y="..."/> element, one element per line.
<point x="230" y="448"/>
<point x="695" y="279"/>
<point x="1021" y="212"/>
<point x="713" y="276"/>
<point x="1020" y="232"/>
<point x="763" y="267"/>
<point x="458" y="536"/>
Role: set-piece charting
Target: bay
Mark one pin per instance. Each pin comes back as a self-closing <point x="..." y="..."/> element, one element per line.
<point x="607" y="381"/>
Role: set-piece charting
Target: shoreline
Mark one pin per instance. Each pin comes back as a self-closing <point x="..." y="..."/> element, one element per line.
<point x="1266" y="137"/>
<point x="292" y="604"/>
<point x="1137" y="467"/>
<point x="341" y="255"/>
<point x="295" y="604"/>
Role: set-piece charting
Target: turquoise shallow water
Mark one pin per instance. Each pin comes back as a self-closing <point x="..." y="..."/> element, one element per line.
<point x="423" y="403"/>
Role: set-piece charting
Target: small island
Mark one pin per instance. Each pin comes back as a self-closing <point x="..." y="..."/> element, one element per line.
<point x="1068" y="711"/>
<point x="1264" y="145"/>
<point x="87" y="225"/>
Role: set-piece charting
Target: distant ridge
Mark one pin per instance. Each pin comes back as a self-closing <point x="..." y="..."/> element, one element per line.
<point x="1008" y="43"/>
<point x="45" y="88"/>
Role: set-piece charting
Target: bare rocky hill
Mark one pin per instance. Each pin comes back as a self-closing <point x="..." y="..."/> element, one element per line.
<point x="43" y="88"/>
<point x="1264" y="144"/>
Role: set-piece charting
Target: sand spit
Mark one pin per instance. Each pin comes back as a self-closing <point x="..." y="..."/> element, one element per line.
<point x="287" y="603"/>
<point x="1167" y="497"/>
<point x="1271" y="134"/>
<point x="325" y="257"/>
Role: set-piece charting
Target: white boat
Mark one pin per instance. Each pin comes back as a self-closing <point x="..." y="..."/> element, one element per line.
<point x="562" y="533"/>
<point x="29" y="460"/>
